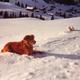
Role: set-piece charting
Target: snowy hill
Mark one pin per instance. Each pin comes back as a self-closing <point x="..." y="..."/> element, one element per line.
<point x="60" y="50"/>
<point x="11" y="9"/>
<point x="12" y="6"/>
<point x="34" y="3"/>
<point x="8" y="5"/>
<point x="41" y="9"/>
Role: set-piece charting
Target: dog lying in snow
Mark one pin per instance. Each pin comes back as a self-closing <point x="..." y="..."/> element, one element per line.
<point x="23" y="47"/>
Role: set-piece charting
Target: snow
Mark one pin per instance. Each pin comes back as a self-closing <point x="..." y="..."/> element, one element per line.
<point x="46" y="10"/>
<point x="68" y="44"/>
<point x="31" y="8"/>
<point x="11" y="8"/>
<point x="37" y="3"/>
<point x="60" y="50"/>
<point x="5" y="6"/>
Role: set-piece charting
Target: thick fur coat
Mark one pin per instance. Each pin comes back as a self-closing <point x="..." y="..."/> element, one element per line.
<point x="23" y="47"/>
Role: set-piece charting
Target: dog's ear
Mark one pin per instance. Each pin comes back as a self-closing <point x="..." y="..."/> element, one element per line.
<point x="29" y="37"/>
<point x="32" y="37"/>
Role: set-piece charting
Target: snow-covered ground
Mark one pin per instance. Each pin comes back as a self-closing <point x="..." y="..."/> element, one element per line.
<point x="60" y="50"/>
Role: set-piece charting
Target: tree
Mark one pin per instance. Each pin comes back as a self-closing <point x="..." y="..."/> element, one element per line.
<point x="52" y="18"/>
<point x="5" y="15"/>
<point x="6" y="0"/>
<point x="32" y="15"/>
<point x="41" y="17"/>
<point x="47" y="1"/>
<point x="17" y="3"/>
<point x="36" y="17"/>
<point x="22" y="5"/>
<point x="26" y="6"/>
<point x="15" y="16"/>
<point x="10" y="16"/>
<point x="1" y="13"/>
<point x="20" y="14"/>
<point x="26" y="15"/>
<point x="64" y="15"/>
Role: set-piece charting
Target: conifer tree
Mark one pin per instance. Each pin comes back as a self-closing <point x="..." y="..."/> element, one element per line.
<point x="52" y="18"/>
<point x="32" y="15"/>
<point x="26" y="15"/>
<point x="22" y="5"/>
<point x="64" y="15"/>
<point x="1" y="13"/>
<point x="26" y="6"/>
<point x="5" y="15"/>
<point x="17" y="3"/>
<point x="20" y="14"/>
<point x="41" y="17"/>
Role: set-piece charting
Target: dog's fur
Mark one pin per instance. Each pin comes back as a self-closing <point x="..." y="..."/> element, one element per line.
<point x="23" y="47"/>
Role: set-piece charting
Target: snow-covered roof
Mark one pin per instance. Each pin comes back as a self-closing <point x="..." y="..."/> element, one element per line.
<point x="30" y="7"/>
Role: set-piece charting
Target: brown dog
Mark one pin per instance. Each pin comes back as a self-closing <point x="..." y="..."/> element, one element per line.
<point x="23" y="47"/>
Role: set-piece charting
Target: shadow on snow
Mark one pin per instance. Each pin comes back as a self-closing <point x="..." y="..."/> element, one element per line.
<point x="41" y="54"/>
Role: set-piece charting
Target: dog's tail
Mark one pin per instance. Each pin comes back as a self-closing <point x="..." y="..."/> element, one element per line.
<point x="3" y="50"/>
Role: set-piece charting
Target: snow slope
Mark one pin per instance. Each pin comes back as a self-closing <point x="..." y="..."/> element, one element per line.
<point x="5" y="6"/>
<point x="69" y="44"/>
<point x="44" y="9"/>
<point x="34" y="3"/>
<point x="60" y="50"/>
<point x="11" y="8"/>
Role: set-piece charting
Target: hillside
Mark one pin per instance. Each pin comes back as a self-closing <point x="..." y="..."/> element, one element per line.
<point x="68" y="2"/>
<point x="34" y="3"/>
<point x="40" y="9"/>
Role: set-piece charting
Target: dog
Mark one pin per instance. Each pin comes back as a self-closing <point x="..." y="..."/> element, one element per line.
<point x="25" y="46"/>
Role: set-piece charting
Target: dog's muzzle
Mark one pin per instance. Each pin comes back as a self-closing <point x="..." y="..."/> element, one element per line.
<point x="34" y="42"/>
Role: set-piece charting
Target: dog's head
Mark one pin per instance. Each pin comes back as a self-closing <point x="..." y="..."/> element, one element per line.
<point x="30" y="39"/>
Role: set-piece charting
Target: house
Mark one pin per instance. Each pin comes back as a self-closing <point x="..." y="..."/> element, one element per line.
<point x="30" y="8"/>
